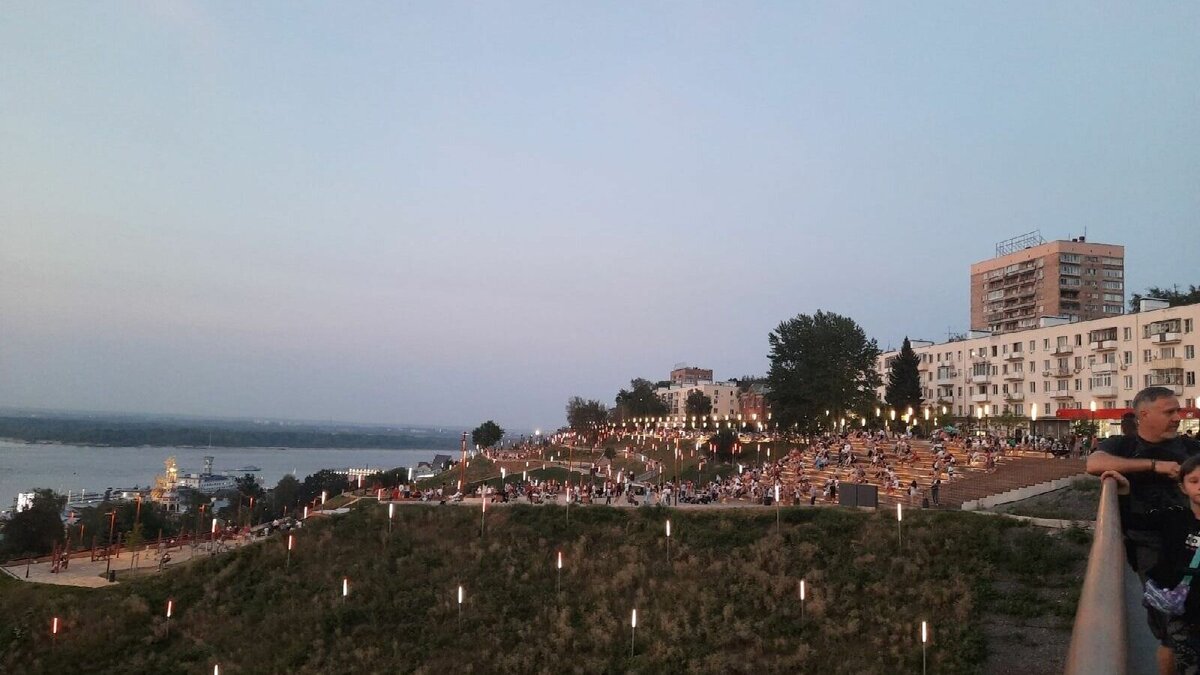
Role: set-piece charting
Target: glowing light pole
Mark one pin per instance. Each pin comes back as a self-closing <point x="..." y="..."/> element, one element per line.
<point x="778" y="509"/>
<point x="170" y="608"/>
<point x="899" y="517"/>
<point x="668" y="541"/>
<point x="391" y="515"/>
<point x="558" y="575"/>
<point x="802" y="601"/>
<point x="460" y="601"/>
<point x="924" y="640"/>
<point x="345" y="588"/>
<point x="632" y="632"/>
<point x="483" y="513"/>
<point x="54" y="630"/>
<point x="291" y="544"/>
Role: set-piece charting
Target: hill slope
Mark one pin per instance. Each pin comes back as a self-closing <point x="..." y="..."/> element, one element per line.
<point x="727" y="603"/>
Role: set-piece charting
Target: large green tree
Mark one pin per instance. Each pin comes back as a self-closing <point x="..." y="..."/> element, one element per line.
<point x="639" y="400"/>
<point x="1173" y="296"/>
<point x="697" y="404"/>
<point x="903" y="389"/>
<point x="585" y="416"/>
<point x="487" y="434"/>
<point x="35" y="530"/>
<point x="818" y="363"/>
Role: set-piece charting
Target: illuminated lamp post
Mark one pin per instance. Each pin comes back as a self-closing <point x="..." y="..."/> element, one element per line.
<point x="291" y="543"/>
<point x="924" y="640"/>
<point x="632" y="632"/>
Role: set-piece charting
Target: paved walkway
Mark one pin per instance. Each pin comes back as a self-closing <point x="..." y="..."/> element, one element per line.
<point x="90" y="574"/>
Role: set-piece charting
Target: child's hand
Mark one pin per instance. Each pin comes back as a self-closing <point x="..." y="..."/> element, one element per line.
<point x="1122" y="481"/>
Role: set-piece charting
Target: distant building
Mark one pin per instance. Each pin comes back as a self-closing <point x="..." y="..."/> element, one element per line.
<point x="1059" y="370"/>
<point x="1030" y="278"/>
<point x="684" y="375"/>
<point x="752" y="403"/>
<point x="686" y="379"/>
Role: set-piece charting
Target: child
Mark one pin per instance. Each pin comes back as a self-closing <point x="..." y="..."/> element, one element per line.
<point x="1179" y="532"/>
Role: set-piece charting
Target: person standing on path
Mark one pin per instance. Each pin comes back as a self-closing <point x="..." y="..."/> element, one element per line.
<point x="934" y="490"/>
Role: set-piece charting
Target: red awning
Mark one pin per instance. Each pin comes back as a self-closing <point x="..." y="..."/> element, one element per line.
<point x="1109" y="413"/>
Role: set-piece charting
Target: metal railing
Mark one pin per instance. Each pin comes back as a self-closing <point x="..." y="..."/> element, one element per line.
<point x="1099" y="643"/>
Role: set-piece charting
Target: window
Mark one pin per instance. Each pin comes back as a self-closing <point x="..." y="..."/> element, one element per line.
<point x="1032" y="343"/>
<point x="1078" y="339"/>
<point x="1189" y="378"/>
<point x="1109" y="405"/>
<point x="1127" y="358"/>
<point x="1127" y="335"/>
<point x="1187" y="325"/>
<point x="1189" y="351"/>
<point x="1078" y="385"/>
<point x="1147" y="355"/>
<point x="1129" y="382"/>
<point x="1033" y="387"/>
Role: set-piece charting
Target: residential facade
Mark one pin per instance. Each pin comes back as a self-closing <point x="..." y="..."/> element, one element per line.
<point x="1058" y="371"/>
<point x="685" y="380"/>
<point x="1076" y="279"/>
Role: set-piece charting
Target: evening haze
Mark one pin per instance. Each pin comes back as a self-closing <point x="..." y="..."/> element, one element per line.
<point x="440" y="213"/>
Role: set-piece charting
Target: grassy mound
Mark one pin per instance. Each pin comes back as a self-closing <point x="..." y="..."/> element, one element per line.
<point x="727" y="602"/>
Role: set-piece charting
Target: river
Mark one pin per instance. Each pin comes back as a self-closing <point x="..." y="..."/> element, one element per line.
<point x="24" y="467"/>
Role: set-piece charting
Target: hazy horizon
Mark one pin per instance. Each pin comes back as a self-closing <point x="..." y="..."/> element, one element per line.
<point x="451" y="212"/>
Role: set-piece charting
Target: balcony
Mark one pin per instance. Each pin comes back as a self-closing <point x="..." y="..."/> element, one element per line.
<point x="1063" y="350"/>
<point x="1105" y="392"/>
<point x="1014" y="356"/>
<point x="1014" y="376"/>
<point x="980" y="379"/>
<point x="946" y="375"/>
<point x="979" y="398"/>
<point x="1062" y="394"/>
<point x="1014" y="396"/>
<point x="1104" y="368"/>
<point x="1061" y="372"/>
<point x="1165" y="338"/>
<point x="1103" y="345"/>
<point x="1169" y="363"/>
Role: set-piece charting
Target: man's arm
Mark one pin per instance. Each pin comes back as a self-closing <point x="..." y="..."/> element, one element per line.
<point x="1099" y="461"/>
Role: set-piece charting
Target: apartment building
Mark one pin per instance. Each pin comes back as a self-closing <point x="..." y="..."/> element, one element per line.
<point x="685" y="380"/>
<point x="1030" y="278"/>
<point x="1060" y="370"/>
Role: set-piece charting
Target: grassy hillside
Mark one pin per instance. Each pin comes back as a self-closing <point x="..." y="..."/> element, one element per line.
<point x="727" y="603"/>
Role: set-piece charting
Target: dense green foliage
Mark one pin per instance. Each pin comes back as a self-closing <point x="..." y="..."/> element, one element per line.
<point x="697" y="404"/>
<point x="638" y="401"/>
<point x="818" y="363"/>
<point x="130" y="433"/>
<point x="1173" y="296"/>
<point x="903" y="389"/>
<point x="586" y="416"/>
<point x="726" y="603"/>
<point x="35" y="530"/>
<point x="487" y="434"/>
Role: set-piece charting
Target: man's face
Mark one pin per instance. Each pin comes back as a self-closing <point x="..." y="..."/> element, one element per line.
<point x="1159" y="420"/>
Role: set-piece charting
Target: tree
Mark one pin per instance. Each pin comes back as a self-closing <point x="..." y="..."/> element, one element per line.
<point x="722" y="442"/>
<point x="286" y="494"/>
<point x="639" y="401"/>
<point x="487" y="434"/>
<point x="37" y="529"/>
<point x="1173" y="296"/>
<point x="585" y="416"/>
<point x="904" y="382"/>
<point x="697" y="404"/>
<point x="818" y="363"/>
<point x="325" y="480"/>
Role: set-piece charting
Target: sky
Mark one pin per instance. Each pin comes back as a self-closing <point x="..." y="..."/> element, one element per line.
<point x="444" y="212"/>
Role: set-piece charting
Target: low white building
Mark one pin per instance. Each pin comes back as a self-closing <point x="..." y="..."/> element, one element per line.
<point x="1061" y="370"/>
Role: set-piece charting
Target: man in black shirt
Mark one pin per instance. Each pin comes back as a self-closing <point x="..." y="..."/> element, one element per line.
<point x="1150" y="460"/>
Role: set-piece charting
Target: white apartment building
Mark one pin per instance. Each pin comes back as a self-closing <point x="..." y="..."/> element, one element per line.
<point x="1059" y="370"/>
<point x="724" y="397"/>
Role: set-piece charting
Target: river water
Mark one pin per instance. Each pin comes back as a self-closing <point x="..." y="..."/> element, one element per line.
<point x="24" y="467"/>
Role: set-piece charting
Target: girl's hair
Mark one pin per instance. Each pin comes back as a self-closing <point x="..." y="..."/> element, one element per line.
<point x="1189" y="465"/>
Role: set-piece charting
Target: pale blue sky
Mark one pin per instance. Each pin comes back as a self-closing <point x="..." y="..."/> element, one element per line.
<point x="446" y="212"/>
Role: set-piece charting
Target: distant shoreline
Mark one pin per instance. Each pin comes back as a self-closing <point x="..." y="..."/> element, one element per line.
<point x="282" y="448"/>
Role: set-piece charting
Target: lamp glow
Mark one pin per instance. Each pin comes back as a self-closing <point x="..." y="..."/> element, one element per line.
<point x="633" y="620"/>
